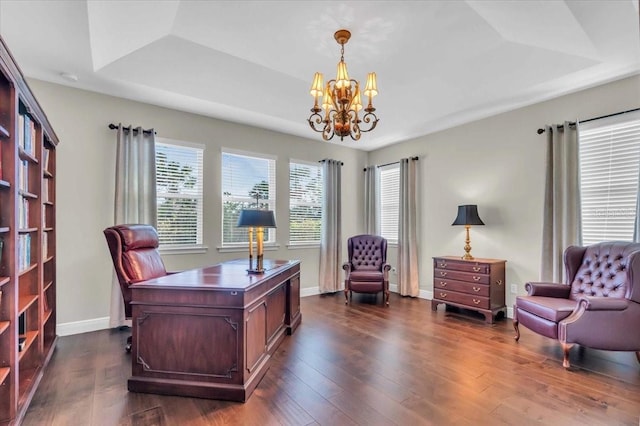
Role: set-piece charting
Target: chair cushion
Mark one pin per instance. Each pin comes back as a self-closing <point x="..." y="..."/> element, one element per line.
<point x="367" y="252"/>
<point x="549" y="308"/>
<point x="366" y="276"/>
<point x="143" y="264"/>
<point x="137" y="236"/>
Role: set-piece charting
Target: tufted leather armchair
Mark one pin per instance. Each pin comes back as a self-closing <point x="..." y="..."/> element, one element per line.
<point x="367" y="270"/>
<point x="598" y="307"/>
<point x="134" y="251"/>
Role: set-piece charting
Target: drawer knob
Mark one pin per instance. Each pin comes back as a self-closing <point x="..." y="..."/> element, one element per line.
<point x="443" y="284"/>
<point x="499" y="282"/>
<point x="443" y="295"/>
<point x="476" y="269"/>
<point x="234" y="293"/>
<point x="476" y="301"/>
<point x="476" y="289"/>
<point x="443" y="265"/>
<point x="443" y="274"/>
<point x="476" y="278"/>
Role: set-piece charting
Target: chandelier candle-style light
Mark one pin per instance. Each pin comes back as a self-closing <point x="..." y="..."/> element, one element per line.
<point x="341" y="101"/>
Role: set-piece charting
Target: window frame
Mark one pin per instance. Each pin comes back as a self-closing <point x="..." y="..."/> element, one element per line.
<point x="199" y="246"/>
<point x="301" y="243"/>
<point x="270" y="241"/>
<point x="381" y="217"/>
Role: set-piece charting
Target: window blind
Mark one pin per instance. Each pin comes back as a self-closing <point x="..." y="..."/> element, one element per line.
<point x="389" y="202"/>
<point x="245" y="176"/>
<point x="305" y="203"/>
<point x="179" y="194"/>
<point x="609" y="164"/>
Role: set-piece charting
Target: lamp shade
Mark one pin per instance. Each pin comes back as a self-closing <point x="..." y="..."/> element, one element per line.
<point x="255" y="217"/>
<point x="468" y="215"/>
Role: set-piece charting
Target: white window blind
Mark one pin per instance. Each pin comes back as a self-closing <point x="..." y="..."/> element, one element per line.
<point x="305" y="203"/>
<point x="179" y="193"/>
<point x="245" y="176"/>
<point x="609" y="165"/>
<point x="389" y="202"/>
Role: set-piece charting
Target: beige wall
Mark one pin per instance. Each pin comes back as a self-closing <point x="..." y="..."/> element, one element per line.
<point x="85" y="190"/>
<point x="498" y="164"/>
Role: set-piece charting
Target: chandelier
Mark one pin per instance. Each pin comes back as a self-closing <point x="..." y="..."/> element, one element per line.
<point x="341" y="101"/>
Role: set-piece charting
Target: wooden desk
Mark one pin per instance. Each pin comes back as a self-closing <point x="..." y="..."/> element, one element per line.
<point x="210" y="332"/>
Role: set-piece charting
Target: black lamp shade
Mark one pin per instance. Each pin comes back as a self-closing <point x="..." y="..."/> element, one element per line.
<point x="256" y="218"/>
<point x="468" y="215"/>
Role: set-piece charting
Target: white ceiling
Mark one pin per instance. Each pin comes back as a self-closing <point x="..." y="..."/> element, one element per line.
<point x="439" y="63"/>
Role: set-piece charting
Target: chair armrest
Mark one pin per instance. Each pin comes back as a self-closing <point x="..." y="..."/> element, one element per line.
<point x="559" y="291"/>
<point x="385" y="271"/>
<point x="593" y="303"/>
<point x="346" y="266"/>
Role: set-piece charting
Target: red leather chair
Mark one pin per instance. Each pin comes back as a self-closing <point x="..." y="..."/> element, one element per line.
<point x="598" y="307"/>
<point x="134" y="251"/>
<point x="367" y="270"/>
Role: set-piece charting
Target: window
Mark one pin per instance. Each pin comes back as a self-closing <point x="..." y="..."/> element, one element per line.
<point x="389" y="202"/>
<point x="609" y="163"/>
<point x="305" y="203"/>
<point x="248" y="182"/>
<point x="179" y="193"/>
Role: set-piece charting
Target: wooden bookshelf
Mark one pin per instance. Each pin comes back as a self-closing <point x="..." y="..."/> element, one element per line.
<point x="27" y="227"/>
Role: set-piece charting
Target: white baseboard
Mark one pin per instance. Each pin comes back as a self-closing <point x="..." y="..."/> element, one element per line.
<point x="86" y="326"/>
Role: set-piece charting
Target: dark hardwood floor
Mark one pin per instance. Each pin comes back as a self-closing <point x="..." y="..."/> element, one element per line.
<point x="363" y="364"/>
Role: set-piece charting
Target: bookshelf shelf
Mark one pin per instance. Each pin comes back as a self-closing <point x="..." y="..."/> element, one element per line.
<point x="28" y="281"/>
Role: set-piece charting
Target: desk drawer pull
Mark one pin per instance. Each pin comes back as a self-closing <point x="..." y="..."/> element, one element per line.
<point x="234" y="293"/>
<point x="443" y="265"/>
<point x="443" y="274"/>
<point x="476" y="289"/>
<point x="476" y="301"/>
<point x="477" y="278"/>
<point x="443" y="295"/>
<point x="477" y="269"/>
<point x="499" y="282"/>
<point x="443" y="284"/>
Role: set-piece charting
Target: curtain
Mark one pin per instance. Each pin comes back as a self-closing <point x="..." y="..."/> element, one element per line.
<point x="561" y="220"/>
<point x="331" y="238"/>
<point x="370" y="200"/>
<point x="135" y="195"/>
<point x="408" y="281"/>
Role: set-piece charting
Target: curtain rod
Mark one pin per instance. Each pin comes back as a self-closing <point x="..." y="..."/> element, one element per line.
<point x="541" y="131"/>
<point x="322" y="161"/>
<point x="113" y="126"/>
<point x="416" y="158"/>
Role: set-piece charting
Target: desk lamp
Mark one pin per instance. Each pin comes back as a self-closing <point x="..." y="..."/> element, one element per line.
<point x="467" y="216"/>
<point x="259" y="219"/>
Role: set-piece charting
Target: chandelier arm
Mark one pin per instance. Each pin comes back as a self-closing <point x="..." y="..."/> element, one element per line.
<point x="314" y="119"/>
<point x="370" y="117"/>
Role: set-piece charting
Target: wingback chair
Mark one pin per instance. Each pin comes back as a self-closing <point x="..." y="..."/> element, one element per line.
<point x="367" y="270"/>
<point x="599" y="305"/>
<point x="134" y="251"/>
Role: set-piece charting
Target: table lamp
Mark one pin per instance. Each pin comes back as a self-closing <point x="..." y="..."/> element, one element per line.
<point x="258" y="219"/>
<point x="467" y="216"/>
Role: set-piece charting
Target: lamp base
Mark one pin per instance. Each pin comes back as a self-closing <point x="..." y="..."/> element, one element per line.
<point x="467" y="256"/>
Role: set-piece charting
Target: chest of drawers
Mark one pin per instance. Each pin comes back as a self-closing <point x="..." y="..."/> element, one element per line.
<point x="477" y="284"/>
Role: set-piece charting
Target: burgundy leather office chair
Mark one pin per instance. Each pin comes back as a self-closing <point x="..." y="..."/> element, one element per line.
<point x="134" y="251"/>
<point x="598" y="307"/>
<point x="367" y="270"/>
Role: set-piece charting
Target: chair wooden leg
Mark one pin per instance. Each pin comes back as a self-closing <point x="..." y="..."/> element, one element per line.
<point x="386" y="296"/>
<point x="565" y="351"/>
<point x="346" y="296"/>
<point x="515" y="325"/>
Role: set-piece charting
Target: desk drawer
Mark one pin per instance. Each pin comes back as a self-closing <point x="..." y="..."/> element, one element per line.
<point x="462" y="287"/>
<point x="459" y="265"/>
<point x="461" y="276"/>
<point x="464" y="299"/>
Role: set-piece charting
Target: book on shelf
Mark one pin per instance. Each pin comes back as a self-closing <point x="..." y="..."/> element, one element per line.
<point x="45" y="161"/>
<point x="21" y="342"/>
<point x="24" y="251"/>
<point x="45" y="244"/>
<point x="23" y="176"/>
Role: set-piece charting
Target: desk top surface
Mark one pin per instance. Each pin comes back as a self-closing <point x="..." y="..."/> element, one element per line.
<point x="231" y="275"/>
